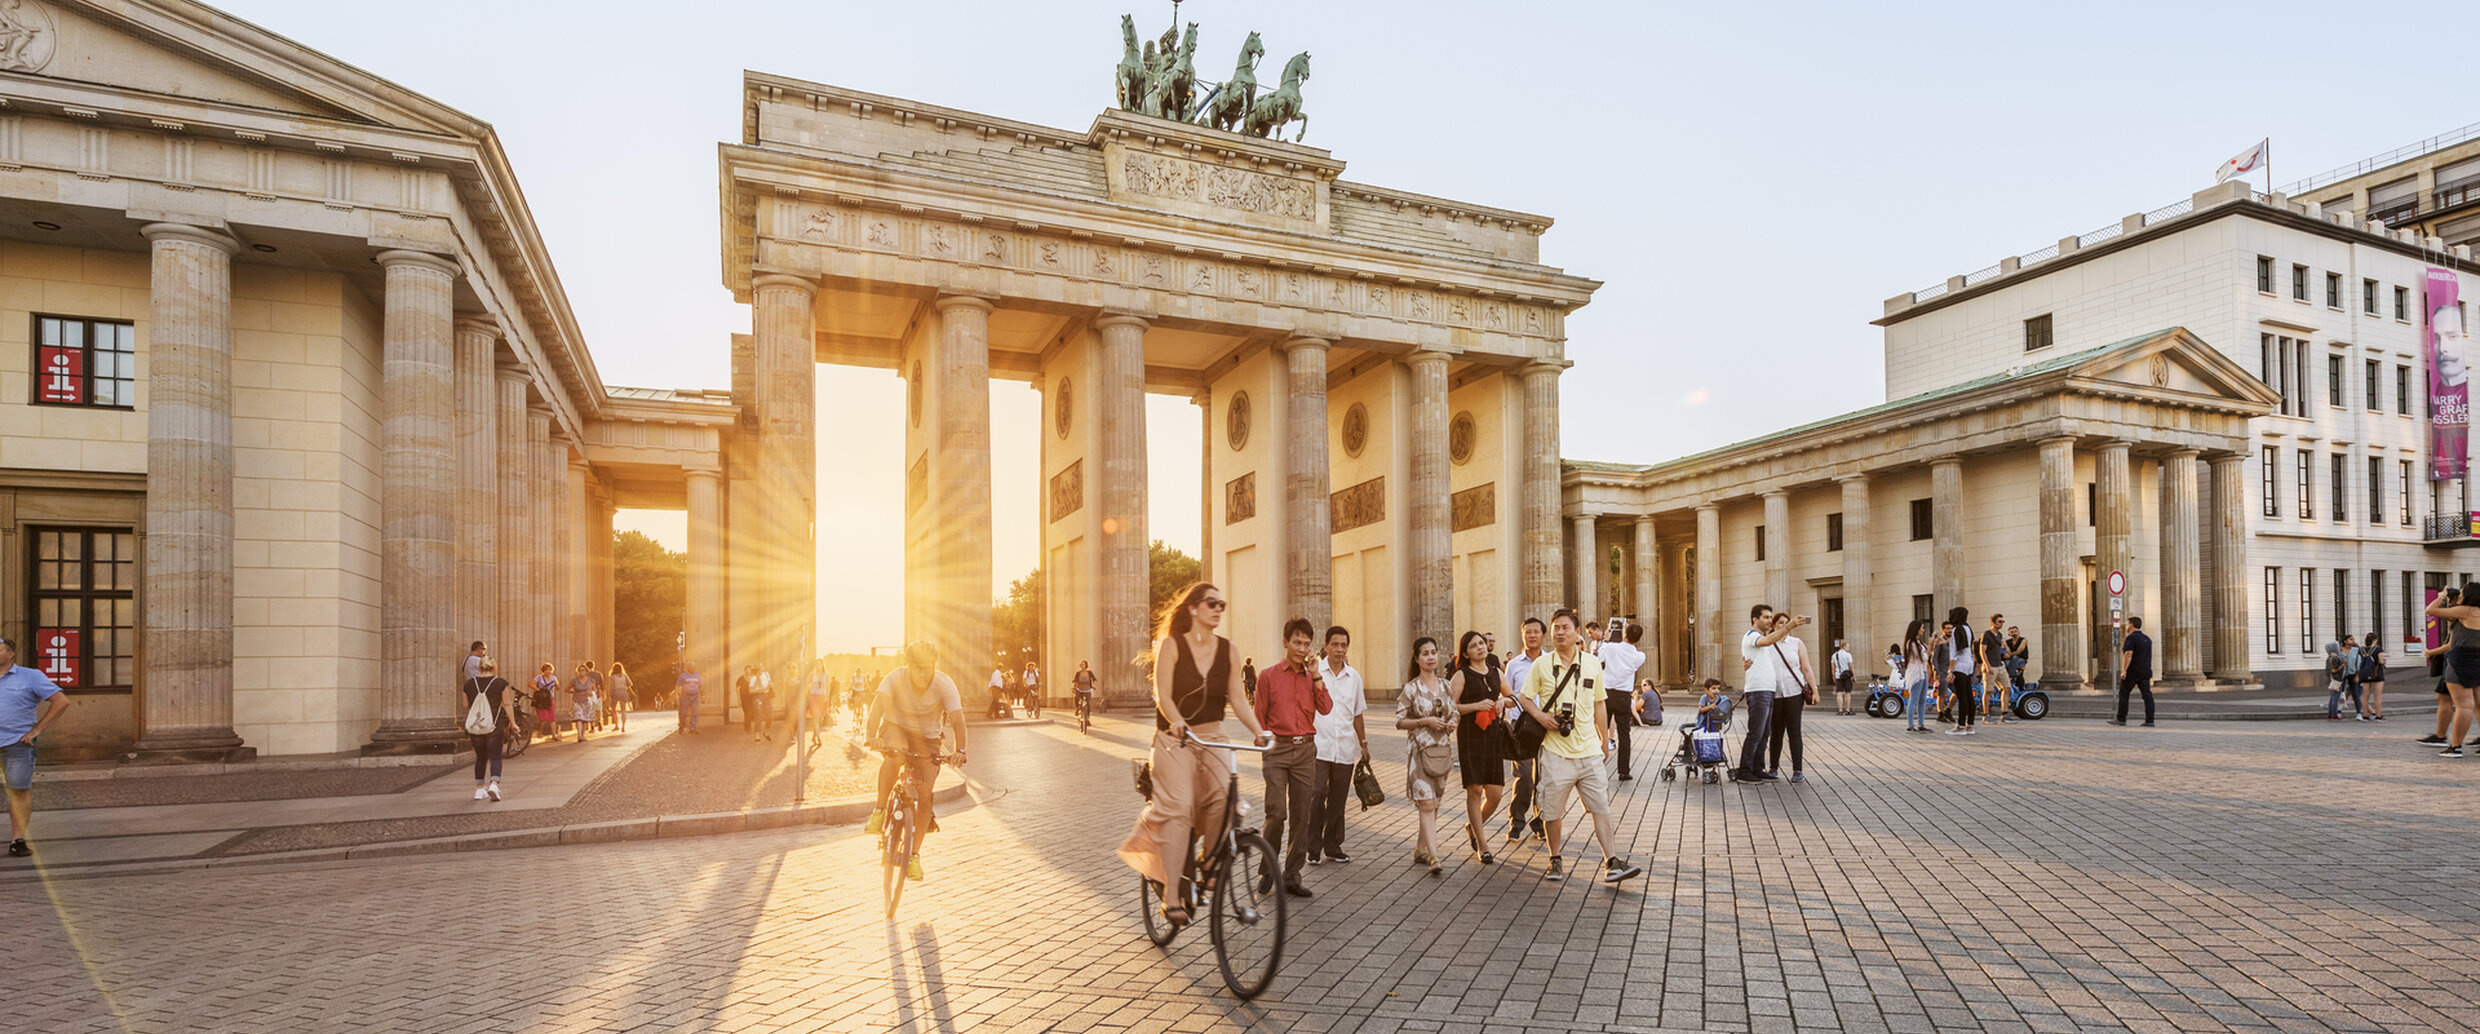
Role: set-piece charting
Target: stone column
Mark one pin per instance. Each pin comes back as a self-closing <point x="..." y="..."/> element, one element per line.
<point x="960" y="494"/>
<point x="1539" y="492"/>
<point x="2114" y="522"/>
<point x="1430" y="544"/>
<point x="566" y="651"/>
<point x="1646" y="605"/>
<point x="704" y="619"/>
<point x="516" y="651"/>
<point x="1118" y="398"/>
<point x="1310" y="565"/>
<point x="576" y="560"/>
<point x="1587" y="561"/>
<point x="2231" y="629"/>
<point x="1859" y="575"/>
<point x="477" y="482"/>
<point x="1778" y="549"/>
<point x="601" y="618"/>
<point x="1205" y="487"/>
<point x="185" y="709"/>
<point x="417" y="489"/>
<point x="1710" y="627"/>
<point x="2062" y="667"/>
<point x="2182" y="577"/>
<point x="1946" y="546"/>
<point x="787" y="370"/>
<point x="541" y="465"/>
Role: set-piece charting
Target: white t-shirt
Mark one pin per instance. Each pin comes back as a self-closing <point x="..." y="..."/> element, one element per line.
<point x="1842" y="662"/>
<point x="1620" y="663"/>
<point x="1336" y="742"/>
<point x="1960" y="648"/>
<point x="1764" y="671"/>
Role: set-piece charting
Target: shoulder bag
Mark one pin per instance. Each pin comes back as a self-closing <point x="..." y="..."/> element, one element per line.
<point x="1525" y="734"/>
<point x="479" y="718"/>
<point x="1791" y="670"/>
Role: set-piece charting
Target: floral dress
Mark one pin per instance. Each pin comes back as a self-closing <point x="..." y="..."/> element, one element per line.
<point x="1432" y="750"/>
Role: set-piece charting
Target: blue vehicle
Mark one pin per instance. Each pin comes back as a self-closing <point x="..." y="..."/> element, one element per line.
<point x="2030" y="703"/>
<point x="1885" y="699"/>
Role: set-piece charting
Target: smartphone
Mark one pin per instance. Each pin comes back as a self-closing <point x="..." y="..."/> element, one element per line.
<point x="1618" y="630"/>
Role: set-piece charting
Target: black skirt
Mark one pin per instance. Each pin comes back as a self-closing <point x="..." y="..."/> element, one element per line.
<point x="1476" y="754"/>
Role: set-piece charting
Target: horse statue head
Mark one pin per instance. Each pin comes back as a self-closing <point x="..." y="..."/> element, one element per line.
<point x="1250" y="52"/>
<point x="1128" y="32"/>
<point x="1296" y="70"/>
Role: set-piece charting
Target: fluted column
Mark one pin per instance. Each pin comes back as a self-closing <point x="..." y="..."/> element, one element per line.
<point x="2062" y="664"/>
<point x="2182" y="576"/>
<point x="1585" y="569"/>
<point x="1430" y="562"/>
<point x="1946" y="557"/>
<point x="1710" y="626"/>
<point x="477" y="481"/>
<point x="516" y="651"/>
<point x="784" y="325"/>
<point x="568" y="537"/>
<point x="543" y="466"/>
<point x="1125" y="592"/>
<point x="1310" y="565"/>
<point x="186" y="705"/>
<point x="2230" y="580"/>
<point x="1543" y="575"/>
<point x="2114" y="519"/>
<point x="417" y="490"/>
<point x="1646" y="605"/>
<point x="1778" y="548"/>
<point x="1205" y="485"/>
<point x="1859" y="574"/>
<point x="959" y="507"/>
<point x="601" y="619"/>
<point x="703" y="624"/>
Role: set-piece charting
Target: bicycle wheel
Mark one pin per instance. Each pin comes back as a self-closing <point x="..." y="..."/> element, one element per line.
<point x="520" y="736"/>
<point x="1248" y="926"/>
<point x="897" y="845"/>
<point x="1149" y="904"/>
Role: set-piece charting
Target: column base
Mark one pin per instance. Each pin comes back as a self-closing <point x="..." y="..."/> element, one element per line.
<point x="2062" y="682"/>
<point x="189" y="747"/>
<point x="432" y="736"/>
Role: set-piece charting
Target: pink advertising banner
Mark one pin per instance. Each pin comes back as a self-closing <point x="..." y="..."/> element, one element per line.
<point x="2449" y="379"/>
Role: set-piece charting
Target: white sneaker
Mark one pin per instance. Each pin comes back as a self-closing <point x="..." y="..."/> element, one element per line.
<point x="479" y="794"/>
<point x="493" y="789"/>
<point x="1959" y="732"/>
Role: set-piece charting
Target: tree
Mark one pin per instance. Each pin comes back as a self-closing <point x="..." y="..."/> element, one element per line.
<point x="1016" y="622"/>
<point x="1171" y="571"/>
<point x="650" y="600"/>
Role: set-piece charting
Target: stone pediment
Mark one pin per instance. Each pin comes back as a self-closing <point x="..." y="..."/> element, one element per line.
<point x="2178" y="362"/>
<point x="188" y="51"/>
<point x="1213" y="174"/>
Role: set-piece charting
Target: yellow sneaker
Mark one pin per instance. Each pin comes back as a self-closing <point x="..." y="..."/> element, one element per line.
<point x="912" y="868"/>
<point x="878" y="821"/>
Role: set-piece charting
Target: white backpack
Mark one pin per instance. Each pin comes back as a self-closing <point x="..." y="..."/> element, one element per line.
<point x="479" y="719"/>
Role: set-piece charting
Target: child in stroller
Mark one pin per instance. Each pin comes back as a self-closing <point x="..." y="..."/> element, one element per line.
<point x="1701" y="747"/>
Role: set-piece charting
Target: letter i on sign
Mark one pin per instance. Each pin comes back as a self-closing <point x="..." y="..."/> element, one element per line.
<point x="59" y="647"/>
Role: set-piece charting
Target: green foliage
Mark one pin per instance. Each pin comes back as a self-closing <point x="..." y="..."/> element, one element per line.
<point x="1172" y="571"/>
<point x="650" y="600"/>
<point x="1016" y="622"/>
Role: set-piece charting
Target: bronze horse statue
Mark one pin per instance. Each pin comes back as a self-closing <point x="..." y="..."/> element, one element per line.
<point x="1228" y="105"/>
<point x="1273" y="111"/>
<point x="1131" y="76"/>
<point x="1173" y="93"/>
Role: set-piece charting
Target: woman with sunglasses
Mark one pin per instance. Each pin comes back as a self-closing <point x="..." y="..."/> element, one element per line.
<point x="1194" y="680"/>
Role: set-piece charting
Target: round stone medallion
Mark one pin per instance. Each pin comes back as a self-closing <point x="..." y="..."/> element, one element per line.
<point x="1460" y="435"/>
<point x="1236" y="421"/>
<point x="913" y="392"/>
<point x="1355" y="430"/>
<point x="1065" y="407"/>
<point x="27" y="37"/>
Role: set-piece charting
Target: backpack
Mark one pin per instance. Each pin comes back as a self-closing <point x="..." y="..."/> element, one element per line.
<point x="480" y="720"/>
<point x="541" y="699"/>
<point x="2369" y="669"/>
<point x="2333" y="665"/>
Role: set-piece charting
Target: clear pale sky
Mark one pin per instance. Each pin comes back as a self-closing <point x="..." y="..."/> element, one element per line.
<point x="1751" y="181"/>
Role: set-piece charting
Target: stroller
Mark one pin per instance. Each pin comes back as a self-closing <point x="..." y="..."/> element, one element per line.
<point x="1702" y="744"/>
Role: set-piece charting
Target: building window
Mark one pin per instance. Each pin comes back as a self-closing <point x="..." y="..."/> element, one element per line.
<point x="2342" y="600"/>
<point x="1760" y="542"/>
<point x="84" y="598"/>
<point x="2376" y="610"/>
<point x="2272" y="492"/>
<point x="2402" y="390"/>
<point x="2299" y="283"/>
<point x="1923" y="525"/>
<point x="2411" y="608"/>
<point x="2299" y="347"/>
<point x="2368" y="297"/>
<point x="2273" y="610"/>
<point x="2264" y="274"/>
<point x="2375" y="385"/>
<point x="2402" y="303"/>
<point x="2307" y="491"/>
<point x="2333" y="381"/>
<point x="2092" y="504"/>
<point x="2036" y="333"/>
<point x="2333" y="290"/>
<point x="2402" y="491"/>
<point x="2307" y="612"/>
<point x="2339" y="474"/>
<point x="2376" y="489"/>
<point x="1834" y="534"/>
<point x="82" y="362"/>
<point x="1921" y="605"/>
<point x="1830" y="614"/>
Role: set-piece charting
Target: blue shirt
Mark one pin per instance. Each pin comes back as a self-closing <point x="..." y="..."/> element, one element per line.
<point x="21" y="690"/>
<point x="689" y="683"/>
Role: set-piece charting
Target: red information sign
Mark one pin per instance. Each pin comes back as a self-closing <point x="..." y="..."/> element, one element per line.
<point x="58" y="656"/>
<point x="60" y="374"/>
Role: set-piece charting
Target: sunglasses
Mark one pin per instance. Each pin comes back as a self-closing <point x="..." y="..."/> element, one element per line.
<point x="1215" y="604"/>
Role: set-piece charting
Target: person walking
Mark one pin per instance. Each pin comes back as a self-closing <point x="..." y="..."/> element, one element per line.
<point x="2462" y="627"/>
<point x="490" y="747"/>
<point x="1556" y="689"/>
<point x="1342" y="741"/>
<point x="2372" y="660"/>
<point x="687" y="687"/>
<point x="1959" y="647"/>
<point x="1290" y="696"/>
<point x="1478" y="694"/>
<point x="1796" y="689"/>
<point x="1839" y="665"/>
<point x="742" y="688"/>
<point x="582" y="687"/>
<point x="23" y="692"/>
<point x="1527" y="771"/>
<point x="623" y="696"/>
<point x="1194" y="686"/>
<point x="545" y="699"/>
<point x="1620" y="663"/>
<point x="1033" y="690"/>
<point x="2135" y="671"/>
<point x="1992" y="662"/>
<point x="762" y="706"/>
<point x="1911" y="671"/>
<point x="1763" y="674"/>
<point x="1426" y="714"/>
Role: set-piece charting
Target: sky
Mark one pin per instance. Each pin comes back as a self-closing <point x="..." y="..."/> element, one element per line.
<point x="1749" y="181"/>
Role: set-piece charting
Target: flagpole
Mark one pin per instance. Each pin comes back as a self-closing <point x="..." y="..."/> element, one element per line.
<point x="2268" y="165"/>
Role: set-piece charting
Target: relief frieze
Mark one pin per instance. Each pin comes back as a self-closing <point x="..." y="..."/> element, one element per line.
<point x="1475" y="507"/>
<point x="1359" y="506"/>
<point x="1068" y="490"/>
<point x="1179" y="179"/>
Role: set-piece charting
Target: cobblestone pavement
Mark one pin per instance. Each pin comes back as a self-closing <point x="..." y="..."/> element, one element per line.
<point x="2055" y="876"/>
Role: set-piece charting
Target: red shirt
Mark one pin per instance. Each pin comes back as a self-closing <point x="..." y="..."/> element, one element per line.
<point x="1289" y="701"/>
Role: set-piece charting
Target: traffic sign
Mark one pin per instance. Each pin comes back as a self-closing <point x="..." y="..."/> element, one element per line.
<point x="2117" y="604"/>
<point x="2118" y="583"/>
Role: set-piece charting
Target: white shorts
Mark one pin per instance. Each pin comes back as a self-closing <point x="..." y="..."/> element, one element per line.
<point x="1585" y="776"/>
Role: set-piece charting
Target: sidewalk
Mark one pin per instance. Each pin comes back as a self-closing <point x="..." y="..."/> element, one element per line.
<point x="2403" y="700"/>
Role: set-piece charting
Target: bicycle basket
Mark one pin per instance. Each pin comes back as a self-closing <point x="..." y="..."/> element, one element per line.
<point x="1143" y="772"/>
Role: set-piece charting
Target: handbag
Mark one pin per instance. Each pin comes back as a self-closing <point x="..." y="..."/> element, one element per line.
<point x="1806" y="694"/>
<point x="479" y="720"/>
<point x="1526" y="733"/>
<point x="1143" y="772"/>
<point x="1365" y="785"/>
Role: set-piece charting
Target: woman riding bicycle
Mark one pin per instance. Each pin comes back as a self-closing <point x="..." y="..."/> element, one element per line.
<point x="1193" y="682"/>
<point x="913" y="702"/>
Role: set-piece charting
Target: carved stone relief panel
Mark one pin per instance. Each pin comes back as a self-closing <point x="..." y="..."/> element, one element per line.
<point x="1475" y="507"/>
<point x="1068" y="490"/>
<point x="913" y="393"/>
<point x="1236" y="421"/>
<point x="1461" y="434"/>
<point x="938" y="241"/>
<point x="1355" y="430"/>
<point x="1063" y="406"/>
<point x="1359" y="506"/>
<point x="1216" y="186"/>
<point x="1240" y="498"/>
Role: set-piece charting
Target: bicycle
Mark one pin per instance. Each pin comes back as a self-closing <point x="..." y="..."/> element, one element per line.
<point x="519" y="734"/>
<point x="1084" y="711"/>
<point x="899" y="839"/>
<point x="1230" y="867"/>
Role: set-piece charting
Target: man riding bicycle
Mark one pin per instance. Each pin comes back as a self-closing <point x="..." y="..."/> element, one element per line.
<point x="912" y="704"/>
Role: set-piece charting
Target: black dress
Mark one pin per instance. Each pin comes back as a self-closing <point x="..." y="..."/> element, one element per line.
<point x="1476" y="750"/>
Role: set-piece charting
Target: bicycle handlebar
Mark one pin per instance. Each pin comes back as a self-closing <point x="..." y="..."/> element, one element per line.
<point x="1192" y="738"/>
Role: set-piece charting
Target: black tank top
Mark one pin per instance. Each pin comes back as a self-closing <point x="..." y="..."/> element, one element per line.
<point x="1479" y="685"/>
<point x="1201" y="699"/>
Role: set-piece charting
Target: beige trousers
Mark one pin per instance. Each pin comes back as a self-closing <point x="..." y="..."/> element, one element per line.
<point x="1190" y="783"/>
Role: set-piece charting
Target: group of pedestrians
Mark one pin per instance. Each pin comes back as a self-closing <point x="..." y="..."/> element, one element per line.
<point x="592" y="700"/>
<point x="2356" y="667"/>
<point x="1972" y="678"/>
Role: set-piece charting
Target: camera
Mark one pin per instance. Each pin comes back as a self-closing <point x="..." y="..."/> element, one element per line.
<point x="1567" y="719"/>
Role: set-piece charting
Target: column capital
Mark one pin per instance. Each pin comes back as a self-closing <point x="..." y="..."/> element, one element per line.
<point x="782" y="282"/>
<point x="395" y="257"/>
<point x="1646" y="520"/>
<point x="946" y="302"/>
<point x="1708" y="507"/>
<point x="2055" y="438"/>
<point x="2218" y="457"/>
<point x="517" y="374"/>
<point x="1949" y="460"/>
<point x="1544" y="367"/>
<point x="1299" y="342"/>
<point x="1203" y="399"/>
<point x="2113" y="445"/>
<point x="707" y="473"/>
<point x="477" y="323"/>
<point x="1115" y="318"/>
<point x="1845" y="479"/>
<point x="1775" y="493"/>
<point x="186" y="233"/>
<point x="1428" y="356"/>
<point x="2189" y="455"/>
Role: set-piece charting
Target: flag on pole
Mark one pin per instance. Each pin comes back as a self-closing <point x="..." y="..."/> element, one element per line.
<point x="2245" y="162"/>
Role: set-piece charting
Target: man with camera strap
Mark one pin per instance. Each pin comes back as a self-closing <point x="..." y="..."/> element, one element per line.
<point x="1554" y="690"/>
